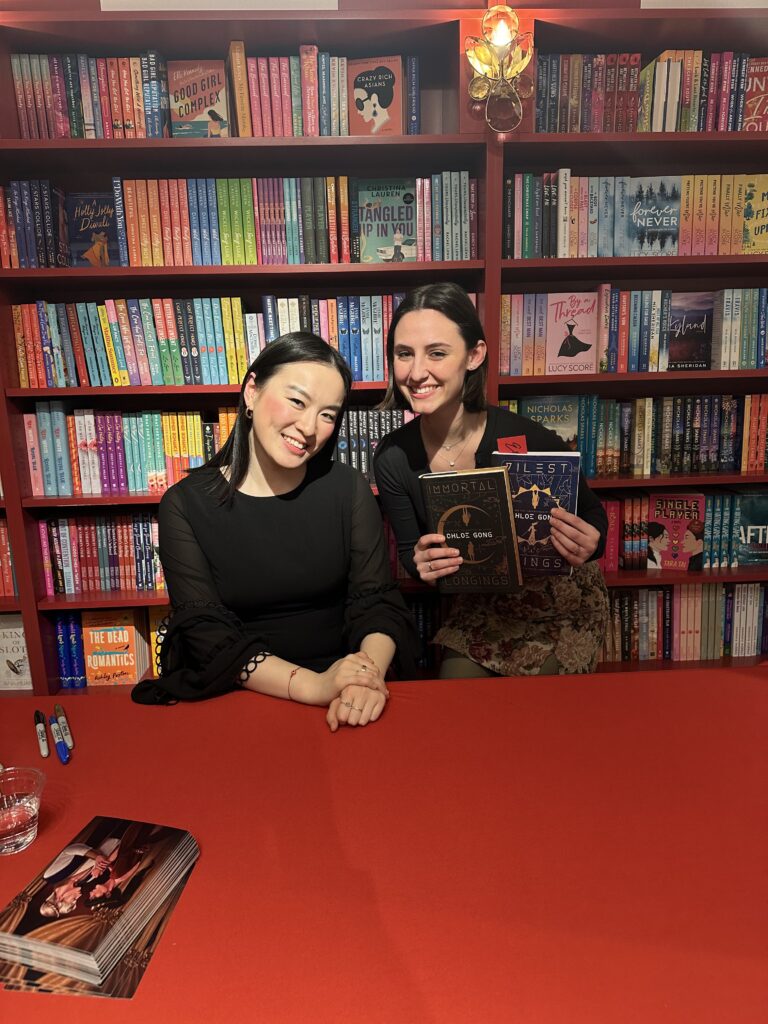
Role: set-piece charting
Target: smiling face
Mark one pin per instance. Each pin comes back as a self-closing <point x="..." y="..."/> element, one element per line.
<point x="294" y="412"/>
<point x="431" y="360"/>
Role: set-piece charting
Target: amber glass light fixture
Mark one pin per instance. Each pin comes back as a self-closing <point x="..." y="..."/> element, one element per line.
<point x="498" y="60"/>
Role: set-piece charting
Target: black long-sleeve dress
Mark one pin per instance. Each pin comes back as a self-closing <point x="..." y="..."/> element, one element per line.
<point x="553" y="618"/>
<point x="306" y="572"/>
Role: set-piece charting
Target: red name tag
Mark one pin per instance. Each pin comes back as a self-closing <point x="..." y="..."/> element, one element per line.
<point x="512" y="445"/>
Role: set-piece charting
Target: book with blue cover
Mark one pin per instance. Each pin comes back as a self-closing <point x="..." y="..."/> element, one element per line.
<point x="92" y="227"/>
<point x="540" y="482"/>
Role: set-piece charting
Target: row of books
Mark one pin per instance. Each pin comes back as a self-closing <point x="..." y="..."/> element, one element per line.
<point x="360" y="432"/>
<point x="688" y="622"/>
<point x="678" y="91"/>
<point x="693" y="91"/>
<point x="134" y="342"/>
<point x="144" y="97"/>
<point x="240" y="221"/>
<point x="107" y="647"/>
<point x="615" y="330"/>
<point x="72" y="95"/>
<point x="87" y="452"/>
<point x="212" y="341"/>
<point x="657" y="436"/>
<point x="100" y="554"/>
<point x="561" y="215"/>
<point x="686" y="530"/>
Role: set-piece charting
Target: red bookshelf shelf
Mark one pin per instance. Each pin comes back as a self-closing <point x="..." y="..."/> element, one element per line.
<point x="115" y="599"/>
<point x="72" y="278"/>
<point x="704" y="666"/>
<point x="673" y="382"/>
<point x="9" y="604"/>
<point x="670" y="577"/>
<point x="621" y="268"/>
<point x="87" y="501"/>
<point x="604" y="483"/>
<point x="209" y="156"/>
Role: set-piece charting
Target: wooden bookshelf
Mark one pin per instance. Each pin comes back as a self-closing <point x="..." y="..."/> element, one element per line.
<point x="460" y="140"/>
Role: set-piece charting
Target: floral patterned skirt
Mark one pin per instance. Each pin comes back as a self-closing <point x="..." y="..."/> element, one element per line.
<point x="514" y="634"/>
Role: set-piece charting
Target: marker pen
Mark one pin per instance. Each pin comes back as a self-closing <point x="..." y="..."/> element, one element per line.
<point x="61" y="718"/>
<point x="58" y="740"/>
<point x="42" y="736"/>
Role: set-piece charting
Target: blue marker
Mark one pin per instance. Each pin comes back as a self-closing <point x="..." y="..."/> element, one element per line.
<point x="58" y="740"/>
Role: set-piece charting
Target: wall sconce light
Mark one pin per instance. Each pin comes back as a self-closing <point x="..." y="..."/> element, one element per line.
<point x="498" y="60"/>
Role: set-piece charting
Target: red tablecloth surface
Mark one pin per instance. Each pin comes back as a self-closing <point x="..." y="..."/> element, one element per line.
<point x="577" y="850"/>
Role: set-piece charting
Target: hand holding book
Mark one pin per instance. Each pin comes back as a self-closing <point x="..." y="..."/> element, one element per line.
<point x="575" y="539"/>
<point x="433" y="559"/>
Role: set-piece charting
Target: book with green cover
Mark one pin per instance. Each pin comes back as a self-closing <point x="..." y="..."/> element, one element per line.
<point x="225" y="222"/>
<point x="249" y="224"/>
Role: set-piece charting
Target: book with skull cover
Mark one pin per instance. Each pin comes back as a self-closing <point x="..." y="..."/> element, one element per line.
<point x="540" y="482"/>
<point x="472" y="508"/>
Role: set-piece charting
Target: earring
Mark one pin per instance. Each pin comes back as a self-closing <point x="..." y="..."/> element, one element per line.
<point x="248" y="412"/>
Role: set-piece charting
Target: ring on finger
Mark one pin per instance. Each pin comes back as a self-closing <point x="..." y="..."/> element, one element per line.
<point x="348" y="704"/>
<point x="356" y="708"/>
<point x="429" y="566"/>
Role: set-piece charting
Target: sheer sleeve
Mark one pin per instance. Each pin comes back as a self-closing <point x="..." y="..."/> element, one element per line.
<point x="190" y="581"/>
<point x="374" y="604"/>
<point x="398" y="507"/>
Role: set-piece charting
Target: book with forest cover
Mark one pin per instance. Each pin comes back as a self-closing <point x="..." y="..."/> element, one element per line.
<point x="472" y="508"/>
<point x="540" y="482"/>
<point x="198" y="96"/>
<point x="557" y="412"/>
<point x="386" y="211"/>
<point x="690" y="330"/>
<point x="14" y="663"/>
<point x="571" y="339"/>
<point x="92" y="229"/>
<point x="653" y="224"/>
<point x="80" y="914"/>
<point x="375" y="95"/>
<point x="676" y="531"/>
<point x="115" y="647"/>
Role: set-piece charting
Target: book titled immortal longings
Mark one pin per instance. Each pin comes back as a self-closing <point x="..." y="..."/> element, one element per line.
<point x="81" y="913"/>
<point x="472" y="508"/>
<point x="540" y="482"/>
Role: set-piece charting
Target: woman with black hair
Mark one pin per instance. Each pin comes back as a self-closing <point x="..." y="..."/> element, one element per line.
<point x="274" y="554"/>
<point x="437" y="357"/>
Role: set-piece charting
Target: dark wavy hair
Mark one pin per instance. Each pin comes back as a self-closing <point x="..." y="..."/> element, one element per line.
<point x="296" y="347"/>
<point x="453" y="302"/>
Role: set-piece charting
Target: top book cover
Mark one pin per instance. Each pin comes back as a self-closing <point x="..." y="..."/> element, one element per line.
<point x="198" y="96"/>
<point x="376" y="96"/>
<point x="472" y="508"/>
<point x="82" y="911"/>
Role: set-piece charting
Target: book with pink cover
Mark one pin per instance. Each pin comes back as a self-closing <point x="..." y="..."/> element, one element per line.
<point x="375" y="96"/>
<point x="571" y="346"/>
<point x="676" y="531"/>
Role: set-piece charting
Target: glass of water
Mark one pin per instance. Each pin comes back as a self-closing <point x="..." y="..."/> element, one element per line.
<point x="20" y="790"/>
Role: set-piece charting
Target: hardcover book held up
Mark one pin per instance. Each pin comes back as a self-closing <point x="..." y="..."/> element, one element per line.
<point x="540" y="482"/>
<point x="81" y="914"/>
<point x="472" y="508"/>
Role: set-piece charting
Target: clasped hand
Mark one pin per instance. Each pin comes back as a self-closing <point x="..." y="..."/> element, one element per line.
<point x="358" y="691"/>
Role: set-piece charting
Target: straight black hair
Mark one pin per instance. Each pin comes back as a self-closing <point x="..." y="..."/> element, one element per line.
<point x="453" y="302"/>
<point x="296" y="347"/>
